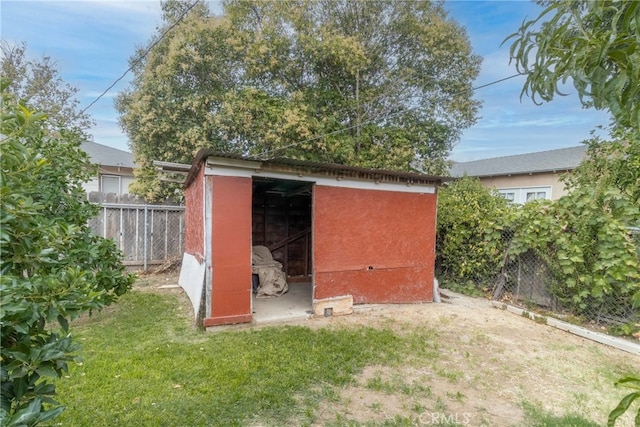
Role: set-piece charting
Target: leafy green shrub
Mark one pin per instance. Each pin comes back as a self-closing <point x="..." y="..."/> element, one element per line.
<point x="634" y="384"/>
<point x="584" y="236"/>
<point x="470" y="245"/>
<point x="585" y="244"/>
<point x="52" y="268"/>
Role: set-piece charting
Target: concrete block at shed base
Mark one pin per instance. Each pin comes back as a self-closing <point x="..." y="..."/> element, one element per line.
<point x="334" y="306"/>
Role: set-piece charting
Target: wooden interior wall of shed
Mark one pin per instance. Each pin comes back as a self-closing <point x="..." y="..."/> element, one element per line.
<point x="378" y="246"/>
<point x="275" y="219"/>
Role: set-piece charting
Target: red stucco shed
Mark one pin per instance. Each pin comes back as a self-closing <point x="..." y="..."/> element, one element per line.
<point x="357" y="235"/>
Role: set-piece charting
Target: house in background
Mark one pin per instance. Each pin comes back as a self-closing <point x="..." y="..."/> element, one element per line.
<point x="115" y="169"/>
<point x="525" y="177"/>
<point x="347" y="235"/>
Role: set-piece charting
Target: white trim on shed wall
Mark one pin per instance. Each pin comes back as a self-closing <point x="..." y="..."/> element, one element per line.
<point x="251" y="169"/>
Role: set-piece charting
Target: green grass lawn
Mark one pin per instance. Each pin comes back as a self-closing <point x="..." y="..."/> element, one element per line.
<point x="144" y="364"/>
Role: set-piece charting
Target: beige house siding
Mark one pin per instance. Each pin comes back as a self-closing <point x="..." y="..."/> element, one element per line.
<point x="524" y="177"/>
<point x="545" y="179"/>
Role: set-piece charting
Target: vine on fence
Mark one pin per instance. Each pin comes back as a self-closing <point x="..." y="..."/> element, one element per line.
<point x="585" y="242"/>
<point x="470" y="247"/>
<point x="584" y="238"/>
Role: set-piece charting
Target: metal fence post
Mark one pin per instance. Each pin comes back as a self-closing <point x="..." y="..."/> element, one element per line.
<point x="166" y="232"/>
<point x="180" y="227"/>
<point x="152" y="236"/>
<point x="121" y="234"/>
<point x="104" y="222"/>
<point x="137" y="245"/>
<point x="144" y="268"/>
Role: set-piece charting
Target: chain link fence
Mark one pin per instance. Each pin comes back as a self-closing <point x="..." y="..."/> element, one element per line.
<point x="527" y="281"/>
<point x="147" y="235"/>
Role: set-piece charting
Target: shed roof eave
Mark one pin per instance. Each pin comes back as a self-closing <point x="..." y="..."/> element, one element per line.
<point x="310" y="168"/>
<point x="172" y="166"/>
<point x="230" y="162"/>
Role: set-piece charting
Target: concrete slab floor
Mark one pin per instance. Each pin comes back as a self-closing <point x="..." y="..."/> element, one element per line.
<point x="295" y="304"/>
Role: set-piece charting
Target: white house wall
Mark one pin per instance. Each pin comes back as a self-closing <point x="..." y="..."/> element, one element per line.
<point x="536" y="180"/>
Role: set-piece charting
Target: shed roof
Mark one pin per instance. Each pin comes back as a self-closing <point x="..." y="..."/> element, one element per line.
<point x="562" y="159"/>
<point x="108" y="156"/>
<point x="283" y="164"/>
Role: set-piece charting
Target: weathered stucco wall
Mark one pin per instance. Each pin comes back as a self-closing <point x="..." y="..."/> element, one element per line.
<point x="193" y="268"/>
<point x="377" y="246"/>
<point x="194" y="217"/>
<point x="230" y="250"/>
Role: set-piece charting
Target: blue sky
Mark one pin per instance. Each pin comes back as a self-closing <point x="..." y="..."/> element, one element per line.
<point x="91" y="42"/>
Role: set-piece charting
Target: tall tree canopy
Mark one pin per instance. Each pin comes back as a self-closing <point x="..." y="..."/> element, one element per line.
<point x="383" y="84"/>
<point x="38" y="83"/>
<point x="595" y="43"/>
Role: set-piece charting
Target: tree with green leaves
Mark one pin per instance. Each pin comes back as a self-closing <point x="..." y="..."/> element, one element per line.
<point x="611" y="163"/>
<point x="52" y="267"/>
<point x="470" y="246"/>
<point x="36" y="82"/>
<point x="596" y="44"/>
<point x="593" y="43"/>
<point x="632" y="383"/>
<point x="587" y="235"/>
<point x="383" y="84"/>
<point x="585" y="240"/>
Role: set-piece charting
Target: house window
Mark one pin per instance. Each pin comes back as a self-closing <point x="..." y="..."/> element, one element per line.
<point x="110" y="184"/>
<point x="509" y="195"/>
<point x="525" y="194"/>
<point x="535" y="195"/>
<point x="125" y="182"/>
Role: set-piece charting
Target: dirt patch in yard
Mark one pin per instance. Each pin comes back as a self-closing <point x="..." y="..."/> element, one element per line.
<point x="476" y="365"/>
<point x="489" y="364"/>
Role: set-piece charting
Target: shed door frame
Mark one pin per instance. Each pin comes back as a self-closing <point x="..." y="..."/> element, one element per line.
<point x="282" y="221"/>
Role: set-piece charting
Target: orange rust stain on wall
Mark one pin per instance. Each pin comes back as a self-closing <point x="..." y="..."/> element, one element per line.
<point x="230" y="250"/>
<point x="194" y="216"/>
<point x="375" y="245"/>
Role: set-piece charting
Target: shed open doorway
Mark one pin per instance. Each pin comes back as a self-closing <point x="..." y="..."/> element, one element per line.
<point x="281" y="221"/>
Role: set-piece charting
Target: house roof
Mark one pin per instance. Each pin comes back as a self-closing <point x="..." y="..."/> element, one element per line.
<point x="108" y="156"/>
<point x="282" y="164"/>
<point x="563" y="159"/>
